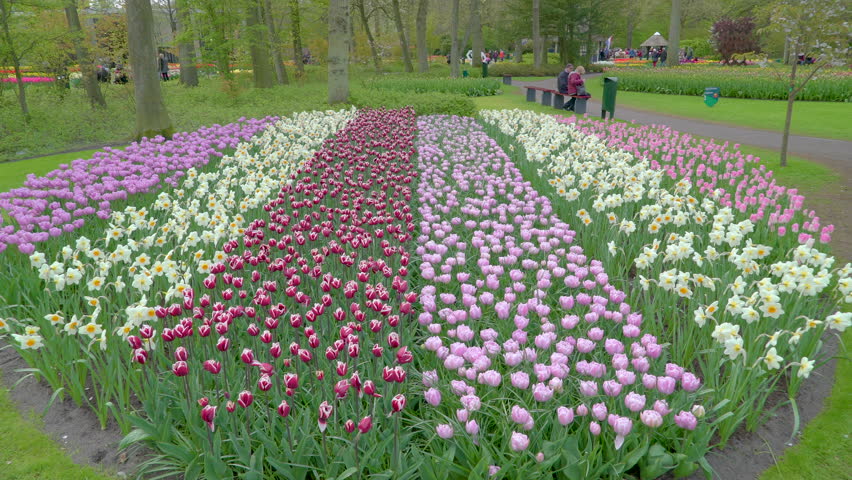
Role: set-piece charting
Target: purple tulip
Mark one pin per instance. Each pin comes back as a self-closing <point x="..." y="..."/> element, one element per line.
<point x="519" y="442"/>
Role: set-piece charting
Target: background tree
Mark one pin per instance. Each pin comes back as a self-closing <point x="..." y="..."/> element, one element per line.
<point x="536" y="33"/>
<point x="296" y="34"/>
<point x="21" y="32"/>
<point x="258" y="46"/>
<point x="87" y="68"/>
<point x="731" y="36"/>
<point x="476" y="33"/>
<point x="455" y="66"/>
<point x="274" y="44"/>
<point x="819" y="35"/>
<point x="152" y="119"/>
<point x="186" y="48"/>
<point x="673" y="57"/>
<point x="338" y="51"/>
<point x="371" y="40"/>
<point x="403" y="42"/>
<point x="422" y="48"/>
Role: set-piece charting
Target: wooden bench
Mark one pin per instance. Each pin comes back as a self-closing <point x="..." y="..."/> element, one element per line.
<point x="580" y="103"/>
<point x="549" y="97"/>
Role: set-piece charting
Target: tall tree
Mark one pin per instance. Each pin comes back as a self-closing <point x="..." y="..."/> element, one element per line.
<point x="673" y="57"/>
<point x="365" y="20"/>
<point x="536" y="32"/>
<point x="258" y="47"/>
<point x="422" y="48"/>
<point x="818" y="33"/>
<point x="152" y="119"/>
<point x="403" y="42"/>
<point x="455" y="66"/>
<point x="18" y="40"/>
<point x="631" y="23"/>
<point x="186" y="46"/>
<point x="87" y="68"/>
<point x="338" y="51"/>
<point x="296" y="34"/>
<point x="476" y="33"/>
<point x="519" y="52"/>
<point x="275" y="44"/>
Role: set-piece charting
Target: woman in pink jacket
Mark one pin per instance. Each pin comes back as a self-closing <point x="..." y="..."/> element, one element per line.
<point x="575" y="79"/>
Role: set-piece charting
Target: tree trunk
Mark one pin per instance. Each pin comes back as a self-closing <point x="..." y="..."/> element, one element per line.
<point x="631" y="21"/>
<point x="186" y="48"/>
<point x="87" y="69"/>
<point x="374" y="52"/>
<point x="536" y="32"/>
<point x="791" y="97"/>
<point x="258" y="48"/>
<point x="519" y="52"/>
<point x="338" y="51"/>
<point x="397" y="18"/>
<point x="673" y="55"/>
<point x="152" y="119"/>
<point x="422" y="48"/>
<point x="16" y="61"/>
<point x="296" y="33"/>
<point x="455" y="67"/>
<point x="275" y="45"/>
<point x="476" y="31"/>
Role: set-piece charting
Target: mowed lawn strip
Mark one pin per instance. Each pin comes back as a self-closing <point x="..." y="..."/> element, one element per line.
<point x="812" y="119"/>
<point x="29" y="454"/>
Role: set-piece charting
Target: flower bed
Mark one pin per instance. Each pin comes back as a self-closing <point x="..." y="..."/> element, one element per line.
<point x="739" y="301"/>
<point x="319" y="303"/>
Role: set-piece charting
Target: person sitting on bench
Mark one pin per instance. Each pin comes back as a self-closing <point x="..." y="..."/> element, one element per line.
<point x="575" y="79"/>
<point x="562" y="79"/>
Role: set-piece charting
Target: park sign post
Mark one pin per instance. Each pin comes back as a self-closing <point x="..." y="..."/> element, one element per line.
<point x="711" y="96"/>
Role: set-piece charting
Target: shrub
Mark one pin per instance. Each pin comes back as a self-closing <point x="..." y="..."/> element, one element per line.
<point x="734" y="82"/>
<point x="422" y="103"/>
<point x="469" y="87"/>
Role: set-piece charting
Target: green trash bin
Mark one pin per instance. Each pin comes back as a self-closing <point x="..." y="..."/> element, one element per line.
<point x="484" y="69"/>
<point x="465" y="74"/>
<point x="608" y="100"/>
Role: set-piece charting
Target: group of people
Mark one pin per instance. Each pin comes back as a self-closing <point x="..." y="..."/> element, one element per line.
<point x="487" y="56"/>
<point x="111" y="72"/>
<point x="569" y="83"/>
<point x="656" y="55"/>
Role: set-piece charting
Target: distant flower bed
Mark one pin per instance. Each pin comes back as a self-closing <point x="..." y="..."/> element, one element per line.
<point x="28" y="79"/>
<point x="736" y="82"/>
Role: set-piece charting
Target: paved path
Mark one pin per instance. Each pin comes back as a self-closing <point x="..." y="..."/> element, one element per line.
<point x="834" y="206"/>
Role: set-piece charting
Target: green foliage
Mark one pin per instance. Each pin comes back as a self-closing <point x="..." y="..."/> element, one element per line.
<point x="469" y="87"/>
<point x="701" y="47"/>
<point x="423" y="103"/>
<point x="736" y="82"/>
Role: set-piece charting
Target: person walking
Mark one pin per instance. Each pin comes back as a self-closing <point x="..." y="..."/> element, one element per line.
<point x="655" y="56"/>
<point x="663" y="56"/>
<point x="163" y="68"/>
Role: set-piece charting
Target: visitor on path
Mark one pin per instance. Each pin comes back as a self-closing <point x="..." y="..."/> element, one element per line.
<point x="575" y="81"/>
<point x="501" y="55"/>
<point x="562" y="79"/>
<point x="655" y="56"/>
<point x="163" y="68"/>
<point x="663" y="55"/>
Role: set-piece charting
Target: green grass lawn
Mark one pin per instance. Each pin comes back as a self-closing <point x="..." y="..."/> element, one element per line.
<point x="13" y="174"/>
<point x="814" y="119"/>
<point x="28" y="454"/>
<point x="823" y="452"/>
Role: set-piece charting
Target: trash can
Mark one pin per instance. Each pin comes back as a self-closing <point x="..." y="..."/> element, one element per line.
<point x="465" y="74"/>
<point x="507" y="79"/>
<point x="608" y="100"/>
<point x="484" y="69"/>
<point x="711" y="96"/>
